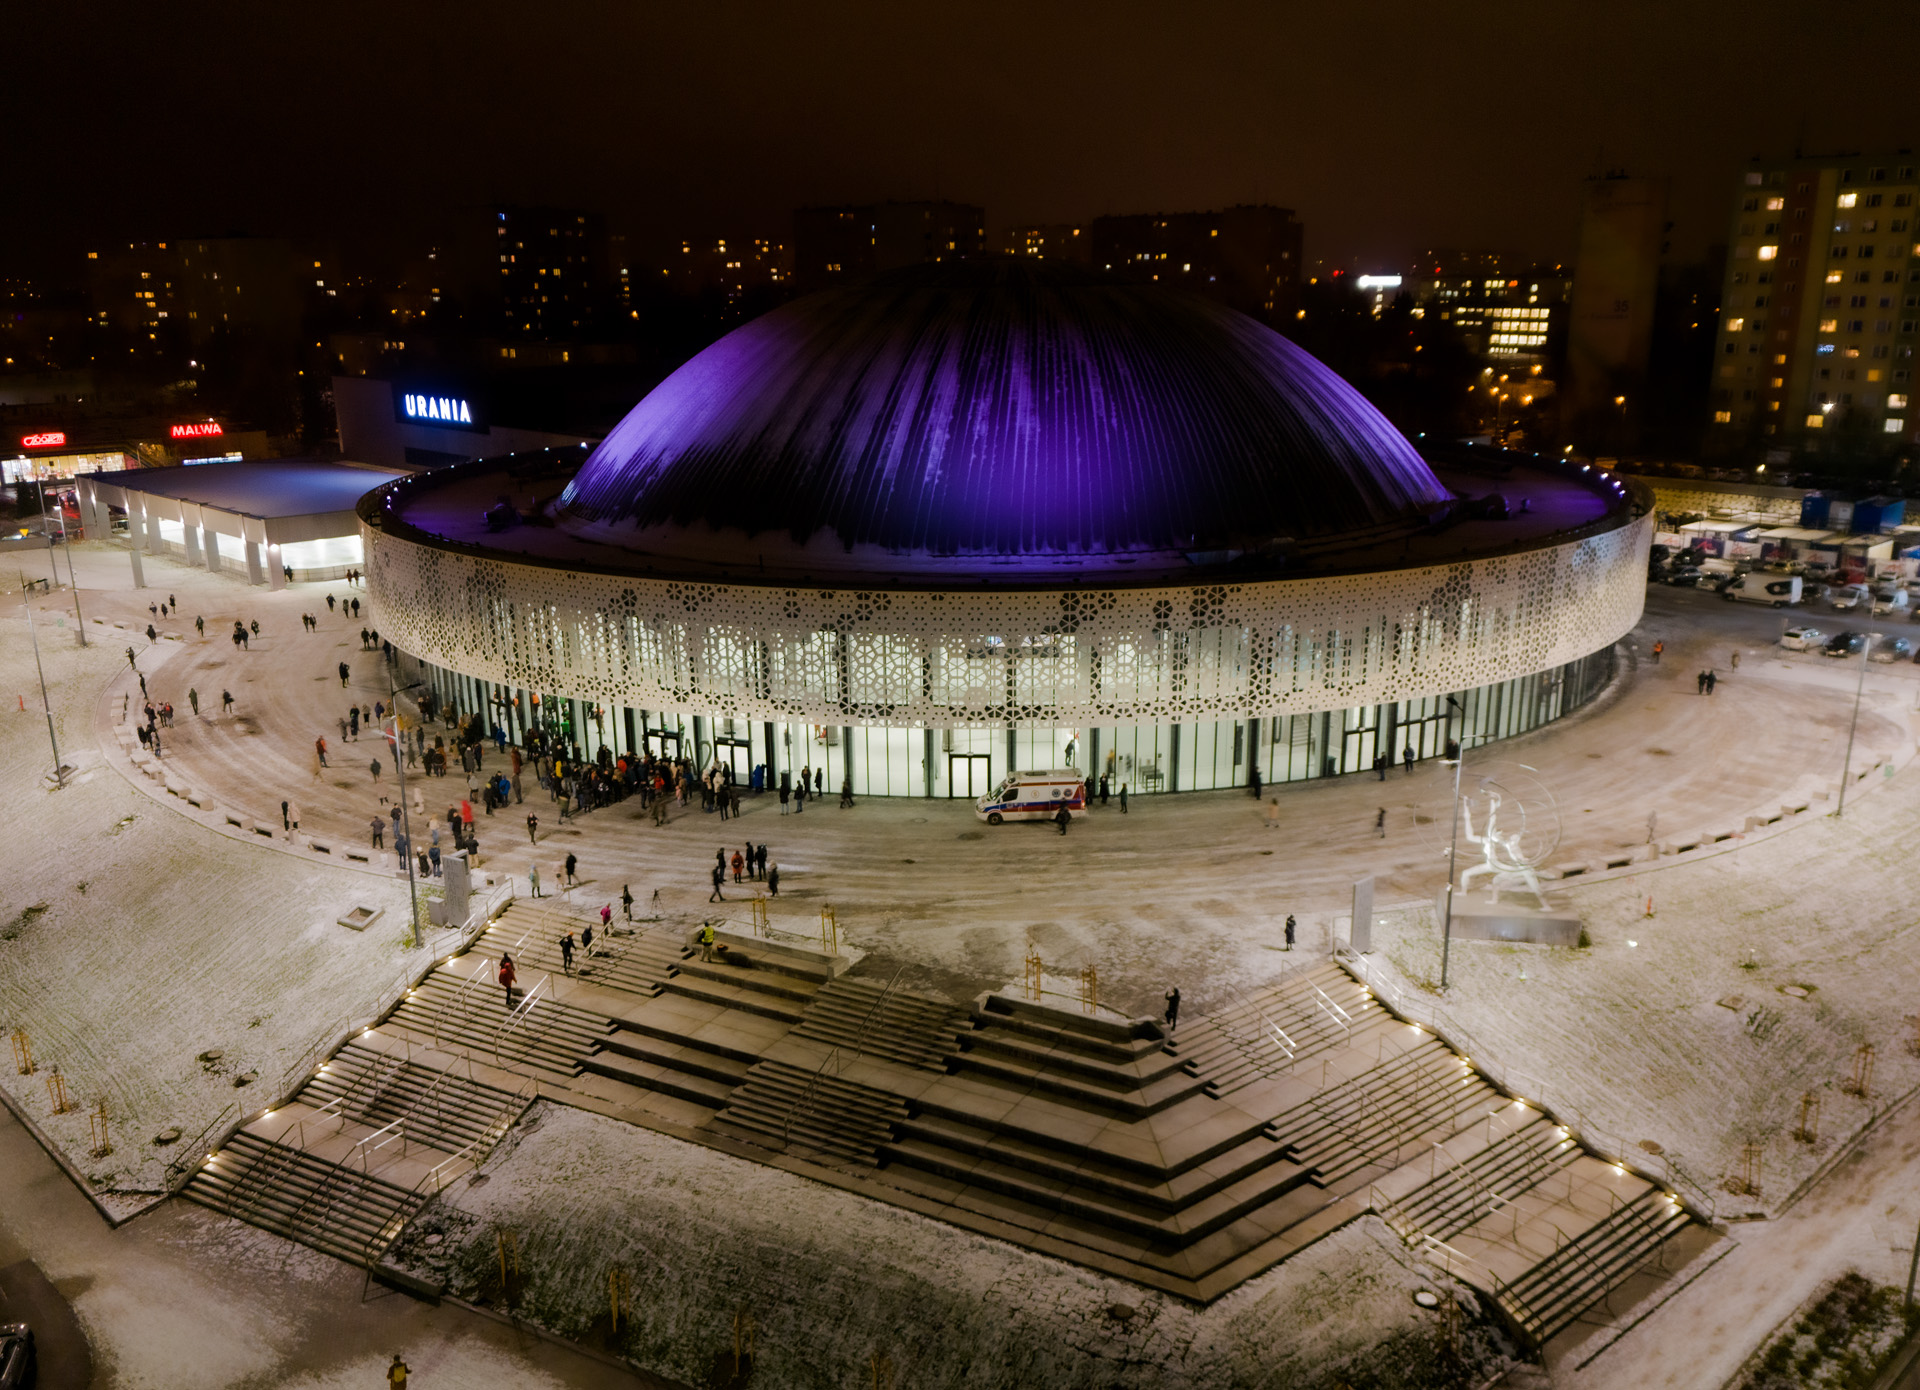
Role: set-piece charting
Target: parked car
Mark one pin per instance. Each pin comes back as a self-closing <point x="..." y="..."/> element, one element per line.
<point x="1891" y="649"/>
<point x="1890" y="599"/>
<point x="1803" y="639"/>
<point x="16" y="1356"/>
<point x="1759" y="588"/>
<point x="1847" y="597"/>
<point x="1844" y="644"/>
<point x="1685" y="576"/>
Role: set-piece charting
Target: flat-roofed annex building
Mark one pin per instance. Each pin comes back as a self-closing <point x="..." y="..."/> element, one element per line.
<point x="962" y="519"/>
<point x="256" y="519"/>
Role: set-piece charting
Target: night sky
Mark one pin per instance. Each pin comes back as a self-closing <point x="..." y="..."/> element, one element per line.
<point x="1388" y="127"/>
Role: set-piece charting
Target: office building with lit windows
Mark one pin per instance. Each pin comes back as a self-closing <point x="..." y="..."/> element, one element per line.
<point x="1820" y="311"/>
<point x="1003" y="514"/>
<point x="839" y="245"/>
<point x="1504" y="309"/>
<point x="1246" y="257"/>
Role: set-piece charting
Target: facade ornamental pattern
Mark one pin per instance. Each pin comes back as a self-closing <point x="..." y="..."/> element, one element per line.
<point x="907" y="658"/>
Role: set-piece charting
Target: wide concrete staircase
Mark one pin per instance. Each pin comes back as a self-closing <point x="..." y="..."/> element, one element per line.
<point x="812" y="1114"/>
<point x="864" y="1016"/>
<point x="284" y="1189"/>
<point x="346" y="1163"/>
<point x="460" y="1007"/>
<point x="1274" y="1030"/>
<point x="1548" y="1298"/>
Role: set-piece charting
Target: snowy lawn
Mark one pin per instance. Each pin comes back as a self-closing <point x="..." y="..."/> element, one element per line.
<point x="831" y="1280"/>
<point x="1810" y="941"/>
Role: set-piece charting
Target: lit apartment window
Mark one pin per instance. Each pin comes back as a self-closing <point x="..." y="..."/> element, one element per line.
<point x="1775" y="204"/>
<point x="1816" y="421"/>
<point x="1896" y="401"/>
<point x="1723" y="417"/>
<point x="1767" y="253"/>
<point x="1895" y="424"/>
<point x="1735" y="325"/>
<point x="1829" y="325"/>
<point x="1846" y="200"/>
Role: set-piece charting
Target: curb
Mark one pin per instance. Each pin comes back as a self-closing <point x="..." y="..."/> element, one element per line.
<point x="79" y="1179"/>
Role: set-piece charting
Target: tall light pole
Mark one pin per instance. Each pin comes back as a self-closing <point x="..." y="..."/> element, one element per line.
<point x="66" y="542"/>
<point x="1846" y="769"/>
<point x="59" y="770"/>
<point x="406" y="818"/>
<point x="1453" y="845"/>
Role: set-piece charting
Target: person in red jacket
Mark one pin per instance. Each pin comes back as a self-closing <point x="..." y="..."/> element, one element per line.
<point x="507" y="976"/>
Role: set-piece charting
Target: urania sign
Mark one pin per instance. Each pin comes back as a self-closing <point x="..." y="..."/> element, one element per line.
<point x="444" y="410"/>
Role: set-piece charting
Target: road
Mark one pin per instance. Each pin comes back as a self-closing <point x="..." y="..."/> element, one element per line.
<point x="183" y="1297"/>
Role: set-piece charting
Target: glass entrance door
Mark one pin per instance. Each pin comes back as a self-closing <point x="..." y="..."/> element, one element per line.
<point x="663" y="743"/>
<point x="969" y="775"/>
<point x="737" y="754"/>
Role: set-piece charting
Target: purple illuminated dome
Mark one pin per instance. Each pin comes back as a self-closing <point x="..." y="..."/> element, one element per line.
<point x="997" y="409"/>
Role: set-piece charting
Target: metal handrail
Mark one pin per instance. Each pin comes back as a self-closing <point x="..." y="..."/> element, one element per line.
<point x="1277" y="1034"/>
<point x="520" y="1015"/>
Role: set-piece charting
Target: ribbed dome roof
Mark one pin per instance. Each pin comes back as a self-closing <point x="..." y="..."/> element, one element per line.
<point x="1001" y="408"/>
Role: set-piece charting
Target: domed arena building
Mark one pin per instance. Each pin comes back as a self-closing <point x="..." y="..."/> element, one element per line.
<point x="969" y="518"/>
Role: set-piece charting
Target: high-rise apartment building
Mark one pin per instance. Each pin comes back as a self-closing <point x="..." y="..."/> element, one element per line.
<point x="1246" y="256"/>
<point x="834" y="245"/>
<point x="732" y="265"/>
<point x="1048" y="241"/>
<point x="548" y="269"/>
<point x="199" y="287"/>
<point x="1820" y="310"/>
<point x="1623" y="234"/>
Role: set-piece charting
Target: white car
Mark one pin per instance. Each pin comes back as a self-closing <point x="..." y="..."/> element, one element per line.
<point x="1847" y="597"/>
<point x="1803" y="639"/>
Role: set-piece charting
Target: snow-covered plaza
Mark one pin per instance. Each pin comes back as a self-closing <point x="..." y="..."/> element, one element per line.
<point x="180" y="968"/>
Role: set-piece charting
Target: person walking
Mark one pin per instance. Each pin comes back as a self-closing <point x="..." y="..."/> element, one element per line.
<point x="566" y="953"/>
<point x="1173" y="1008"/>
<point x="379" y="828"/>
<point x="1712" y="681"/>
<point x="132" y="665"/>
<point x="1406" y="756"/>
<point x="226" y="701"/>
<point x="329" y="603"/>
<point x="1103" y="789"/>
<point x="1273" y="814"/>
<point x="1658" y="647"/>
<point x="193" y="701"/>
<point x="706" y="941"/>
<point x="1123" y="798"/>
<point x="1253" y="781"/>
<point x="286" y="819"/>
<point x="573" y="862"/>
<point x="719" y="877"/>
<point x="626" y="900"/>
<point x="1060" y="818"/>
<point x="1700" y="683"/>
<point x="606" y="916"/>
<point x="200" y="626"/>
<point x="397" y="1374"/>
<point x="374" y="768"/>
<point x="433" y="859"/>
<point x="773" y="880"/>
<point x="739" y="863"/>
<point x="345" y="671"/>
<point x="1380" y="823"/>
<point x="1380" y="766"/>
<point x="533" y="880"/>
<point x="320" y="747"/>
<point x="533" y="828"/>
<point x="507" y="976"/>
<point x="846" y="793"/>
<point x="1289" y="931"/>
<point x="293" y="817"/>
<point x="760" y="856"/>
<point x="786" y="785"/>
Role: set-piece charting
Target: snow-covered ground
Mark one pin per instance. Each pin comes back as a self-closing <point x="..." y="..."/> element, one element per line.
<point x="1679" y="1028"/>
<point x="132" y="941"/>
<point x="831" y="1280"/>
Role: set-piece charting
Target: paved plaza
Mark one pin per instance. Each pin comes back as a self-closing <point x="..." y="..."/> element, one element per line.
<point x="149" y="933"/>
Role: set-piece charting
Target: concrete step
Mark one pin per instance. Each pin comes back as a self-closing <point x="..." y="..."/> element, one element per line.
<point x="678" y="1055"/>
<point x="790" y="1109"/>
<point x="336" y="1210"/>
<point x="1547" y="1299"/>
<point x="862" y="1016"/>
<point x="1153" y="1096"/>
<point x="655" y="1076"/>
<point x="726" y="992"/>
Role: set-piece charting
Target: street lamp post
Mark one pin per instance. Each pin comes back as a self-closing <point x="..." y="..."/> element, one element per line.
<point x="1453" y="845"/>
<point x="1846" y="769"/>
<point x="26" y="599"/>
<point x="406" y="817"/>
